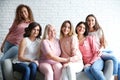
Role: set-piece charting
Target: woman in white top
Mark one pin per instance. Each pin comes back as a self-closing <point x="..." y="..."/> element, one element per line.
<point x="26" y="62"/>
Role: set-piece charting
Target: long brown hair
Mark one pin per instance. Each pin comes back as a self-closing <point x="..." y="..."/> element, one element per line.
<point x="96" y="27"/>
<point x="18" y="17"/>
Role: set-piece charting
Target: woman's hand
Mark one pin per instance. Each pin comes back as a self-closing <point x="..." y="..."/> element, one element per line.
<point x="36" y="61"/>
<point x="87" y="65"/>
<point x="1" y="48"/>
<point x="99" y="53"/>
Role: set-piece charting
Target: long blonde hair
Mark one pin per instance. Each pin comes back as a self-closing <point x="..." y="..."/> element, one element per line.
<point x="71" y="29"/>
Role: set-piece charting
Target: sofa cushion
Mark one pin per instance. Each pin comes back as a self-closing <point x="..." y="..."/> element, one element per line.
<point x="9" y="75"/>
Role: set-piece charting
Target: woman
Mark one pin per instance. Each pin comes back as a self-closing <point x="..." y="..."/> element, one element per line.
<point x="95" y="30"/>
<point x="92" y="61"/>
<point x="49" y="62"/>
<point x="26" y="62"/>
<point x="23" y="17"/>
<point x="69" y="46"/>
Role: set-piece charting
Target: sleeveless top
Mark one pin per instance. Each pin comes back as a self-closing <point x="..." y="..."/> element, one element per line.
<point x="31" y="50"/>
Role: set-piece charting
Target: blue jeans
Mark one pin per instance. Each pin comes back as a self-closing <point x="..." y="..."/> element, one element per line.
<point x="28" y="71"/>
<point x="109" y="56"/>
<point x="94" y="72"/>
<point x="10" y="51"/>
<point x="119" y="71"/>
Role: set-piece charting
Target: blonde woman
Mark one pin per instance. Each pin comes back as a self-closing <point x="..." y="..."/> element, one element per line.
<point x="49" y="62"/>
<point x="70" y="49"/>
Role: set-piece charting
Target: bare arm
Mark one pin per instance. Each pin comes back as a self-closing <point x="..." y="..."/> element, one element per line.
<point x="2" y="46"/>
<point x="102" y="42"/>
<point x="21" y="50"/>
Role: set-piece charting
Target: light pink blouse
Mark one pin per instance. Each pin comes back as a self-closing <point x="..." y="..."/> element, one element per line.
<point x="70" y="48"/>
<point x="89" y="50"/>
<point x="16" y="33"/>
<point x="48" y="47"/>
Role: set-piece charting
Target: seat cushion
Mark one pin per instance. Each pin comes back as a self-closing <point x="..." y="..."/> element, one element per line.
<point x="8" y="72"/>
<point x="39" y="76"/>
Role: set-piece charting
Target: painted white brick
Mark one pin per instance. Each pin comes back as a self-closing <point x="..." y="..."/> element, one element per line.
<point x="56" y="11"/>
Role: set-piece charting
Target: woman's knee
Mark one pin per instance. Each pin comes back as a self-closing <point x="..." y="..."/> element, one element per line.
<point x="33" y="65"/>
<point x="87" y="69"/>
<point x="27" y="70"/>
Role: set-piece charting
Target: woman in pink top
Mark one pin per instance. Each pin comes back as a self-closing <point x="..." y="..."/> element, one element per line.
<point x="70" y="49"/>
<point x="22" y="19"/>
<point x="49" y="62"/>
<point x="96" y="30"/>
<point x="92" y="61"/>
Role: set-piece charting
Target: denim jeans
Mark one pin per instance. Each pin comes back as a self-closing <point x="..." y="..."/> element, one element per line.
<point x="119" y="71"/>
<point x="109" y="56"/>
<point x="94" y="72"/>
<point x="10" y="51"/>
<point x="28" y="71"/>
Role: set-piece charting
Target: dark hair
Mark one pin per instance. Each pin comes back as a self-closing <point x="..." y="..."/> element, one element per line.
<point x="86" y="28"/>
<point x="30" y="27"/>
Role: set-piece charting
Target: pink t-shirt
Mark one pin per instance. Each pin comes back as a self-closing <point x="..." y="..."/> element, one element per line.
<point x="89" y="50"/>
<point x="16" y="33"/>
<point x="48" y="47"/>
<point x="70" y="48"/>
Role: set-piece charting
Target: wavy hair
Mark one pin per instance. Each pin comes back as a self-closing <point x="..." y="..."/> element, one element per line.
<point x="19" y="18"/>
<point x="29" y="29"/>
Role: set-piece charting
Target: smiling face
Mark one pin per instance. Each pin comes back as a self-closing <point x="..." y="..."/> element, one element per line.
<point x="91" y="22"/>
<point x="24" y="13"/>
<point x="66" y="29"/>
<point x="81" y="29"/>
<point x="51" y="32"/>
<point x="35" y="31"/>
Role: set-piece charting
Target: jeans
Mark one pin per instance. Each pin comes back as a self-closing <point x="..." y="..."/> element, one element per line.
<point x="119" y="71"/>
<point x="10" y="51"/>
<point x="109" y="56"/>
<point x="28" y="71"/>
<point x="94" y="72"/>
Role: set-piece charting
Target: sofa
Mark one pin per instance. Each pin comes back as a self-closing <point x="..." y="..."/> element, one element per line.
<point x="10" y="75"/>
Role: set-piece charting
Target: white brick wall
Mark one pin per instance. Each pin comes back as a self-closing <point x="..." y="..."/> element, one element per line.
<point x="56" y="11"/>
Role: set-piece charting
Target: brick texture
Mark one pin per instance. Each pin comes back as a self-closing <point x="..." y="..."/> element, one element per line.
<point x="56" y="11"/>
